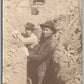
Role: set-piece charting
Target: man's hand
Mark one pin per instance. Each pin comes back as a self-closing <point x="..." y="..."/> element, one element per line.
<point x="17" y="32"/>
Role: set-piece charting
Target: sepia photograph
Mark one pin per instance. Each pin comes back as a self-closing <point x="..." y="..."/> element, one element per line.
<point x="42" y="42"/>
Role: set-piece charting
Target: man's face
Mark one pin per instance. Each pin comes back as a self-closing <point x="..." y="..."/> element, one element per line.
<point x="47" y="32"/>
<point x="28" y="32"/>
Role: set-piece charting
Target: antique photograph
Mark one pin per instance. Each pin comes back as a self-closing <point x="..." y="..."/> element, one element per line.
<point x="42" y="42"/>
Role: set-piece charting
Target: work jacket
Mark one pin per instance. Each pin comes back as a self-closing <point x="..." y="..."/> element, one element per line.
<point x="43" y="59"/>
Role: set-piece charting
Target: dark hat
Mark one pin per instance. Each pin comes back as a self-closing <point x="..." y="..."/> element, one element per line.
<point x="50" y="25"/>
<point x="29" y="26"/>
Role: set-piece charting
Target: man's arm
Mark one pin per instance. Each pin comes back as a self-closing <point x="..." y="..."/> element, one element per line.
<point x="45" y="53"/>
<point x="29" y="40"/>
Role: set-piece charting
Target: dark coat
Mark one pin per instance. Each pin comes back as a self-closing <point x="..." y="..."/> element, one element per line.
<point x="45" y="50"/>
<point x="45" y="53"/>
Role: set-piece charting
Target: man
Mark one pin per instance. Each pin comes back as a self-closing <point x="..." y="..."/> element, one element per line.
<point x="30" y="40"/>
<point x="44" y="57"/>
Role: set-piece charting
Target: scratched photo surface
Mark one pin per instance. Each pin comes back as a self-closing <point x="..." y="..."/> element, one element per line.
<point x="42" y="42"/>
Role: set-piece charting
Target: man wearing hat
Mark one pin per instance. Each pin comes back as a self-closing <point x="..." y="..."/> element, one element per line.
<point x="44" y="57"/>
<point x="30" y="40"/>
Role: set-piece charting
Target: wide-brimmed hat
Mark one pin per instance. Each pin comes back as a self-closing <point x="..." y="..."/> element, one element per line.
<point x="29" y="26"/>
<point x="50" y="25"/>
